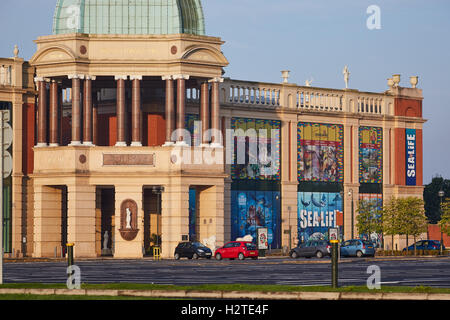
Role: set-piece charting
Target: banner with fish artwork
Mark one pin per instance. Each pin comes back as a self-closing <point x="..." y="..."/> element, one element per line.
<point x="317" y="212"/>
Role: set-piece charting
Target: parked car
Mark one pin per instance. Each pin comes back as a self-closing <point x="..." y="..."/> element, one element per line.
<point x="312" y="248"/>
<point x="237" y="249"/>
<point x="426" y="245"/>
<point x="357" y="248"/>
<point x="192" y="250"/>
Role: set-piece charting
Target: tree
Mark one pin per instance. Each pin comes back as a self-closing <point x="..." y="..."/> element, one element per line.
<point x="432" y="200"/>
<point x="444" y="223"/>
<point x="390" y="221"/>
<point x="368" y="218"/>
<point x="412" y="213"/>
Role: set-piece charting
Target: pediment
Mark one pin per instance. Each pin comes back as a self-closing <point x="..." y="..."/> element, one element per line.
<point x="52" y="55"/>
<point x="205" y="55"/>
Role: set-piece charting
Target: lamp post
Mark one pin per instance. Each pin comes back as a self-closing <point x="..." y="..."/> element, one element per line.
<point x="350" y="194"/>
<point x="158" y="190"/>
<point x="343" y="215"/>
<point x="441" y="194"/>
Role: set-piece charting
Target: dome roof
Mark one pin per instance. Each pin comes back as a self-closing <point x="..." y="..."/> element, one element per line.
<point x="156" y="17"/>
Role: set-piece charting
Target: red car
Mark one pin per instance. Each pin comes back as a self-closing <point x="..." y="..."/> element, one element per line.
<point x="237" y="249"/>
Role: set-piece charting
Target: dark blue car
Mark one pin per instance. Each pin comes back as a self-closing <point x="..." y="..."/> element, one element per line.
<point x="426" y="245"/>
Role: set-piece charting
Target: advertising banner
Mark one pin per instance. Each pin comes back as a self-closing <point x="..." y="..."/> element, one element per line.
<point x="377" y="203"/>
<point x="410" y="157"/>
<point x="251" y="210"/>
<point x="317" y="212"/>
<point x="260" y="140"/>
<point x="370" y="155"/>
<point x="262" y="239"/>
<point x="320" y="152"/>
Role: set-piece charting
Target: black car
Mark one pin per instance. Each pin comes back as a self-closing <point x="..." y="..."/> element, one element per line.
<point x="192" y="250"/>
<point x="313" y="248"/>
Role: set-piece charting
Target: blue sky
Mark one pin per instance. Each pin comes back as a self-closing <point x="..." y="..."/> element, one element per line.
<point x="313" y="39"/>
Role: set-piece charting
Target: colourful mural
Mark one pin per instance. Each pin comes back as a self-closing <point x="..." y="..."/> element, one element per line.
<point x="262" y="161"/>
<point x="320" y="152"/>
<point x="370" y="155"/>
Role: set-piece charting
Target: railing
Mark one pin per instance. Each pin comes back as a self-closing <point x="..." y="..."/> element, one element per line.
<point x="308" y="99"/>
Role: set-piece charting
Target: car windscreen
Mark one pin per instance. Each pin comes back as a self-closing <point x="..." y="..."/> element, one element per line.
<point x="250" y="246"/>
<point x="367" y="243"/>
<point x="198" y="245"/>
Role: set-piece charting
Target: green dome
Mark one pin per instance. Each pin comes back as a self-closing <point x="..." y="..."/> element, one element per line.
<point x="129" y="17"/>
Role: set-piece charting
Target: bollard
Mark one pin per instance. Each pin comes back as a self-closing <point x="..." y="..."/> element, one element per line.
<point x="70" y="254"/>
<point x="334" y="263"/>
<point x="156" y="253"/>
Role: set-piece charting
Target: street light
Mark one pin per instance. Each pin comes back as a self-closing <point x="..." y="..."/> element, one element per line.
<point x="441" y="194"/>
<point x="350" y="194"/>
<point x="343" y="215"/>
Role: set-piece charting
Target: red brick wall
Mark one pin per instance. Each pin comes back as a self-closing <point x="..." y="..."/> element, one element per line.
<point x="434" y="233"/>
<point x="28" y="137"/>
<point x="408" y="107"/>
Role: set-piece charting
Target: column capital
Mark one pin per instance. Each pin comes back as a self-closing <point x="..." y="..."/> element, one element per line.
<point x="167" y="77"/>
<point x="216" y="79"/>
<point x="136" y="78"/>
<point x="38" y="79"/>
<point x="91" y="77"/>
<point x="181" y="76"/>
<point x="76" y="76"/>
<point x="120" y="78"/>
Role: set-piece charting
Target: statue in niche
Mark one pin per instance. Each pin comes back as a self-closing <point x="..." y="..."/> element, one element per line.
<point x="105" y="240"/>
<point x="128" y="218"/>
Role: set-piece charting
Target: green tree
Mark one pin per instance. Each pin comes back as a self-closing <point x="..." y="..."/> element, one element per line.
<point x="368" y="219"/>
<point x="412" y="217"/>
<point x="390" y="219"/>
<point x="444" y="223"/>
<point x="432" y="200"/>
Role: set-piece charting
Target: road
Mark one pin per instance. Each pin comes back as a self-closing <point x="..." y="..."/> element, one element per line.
<point x="432" y="272"/>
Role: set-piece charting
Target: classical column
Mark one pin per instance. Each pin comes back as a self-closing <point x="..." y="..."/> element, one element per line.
<point x="87" y="111"/>
<point x="42" y="112"/>
<point x="76" y="110"/>
<point x="121" y="140"/>
<point x="170" y="110"/>
<point x="215" y="111"/>
<point x="136" y="115"/>
<point x="181" y="106"/>
<point x="54" y="106"/>
<point x="204" y="112"/>
<point x="95" y="119"/>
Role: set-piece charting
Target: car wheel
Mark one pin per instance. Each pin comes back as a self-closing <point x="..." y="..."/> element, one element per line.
<point x="195" y="256"/>
<point x="359" y="254"/>
<point x="241" y="256"/>
<point x="177" y="256"/>
<point x="218" y="256"/>
<point x="319" y="254"/>
<point x="294" y="255"/>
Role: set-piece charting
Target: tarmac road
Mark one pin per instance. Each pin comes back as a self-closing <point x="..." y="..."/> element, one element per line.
<point x="432" y="272"/>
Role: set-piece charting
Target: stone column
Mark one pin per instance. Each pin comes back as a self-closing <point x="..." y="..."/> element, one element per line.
<point x="215" y="111"/>
<point x="121" y="112"/>
<point x="42" y="113"/>
<point x="136" y="114"/>
<point x="76" y="110"/>
<point x="87" y="111"/>
<point x="54" y="117"/>
<point x="95" y="120"/>
<point x="181" y="106"/>
<point x="204" y="112"/>
<point x="170" y="110"/>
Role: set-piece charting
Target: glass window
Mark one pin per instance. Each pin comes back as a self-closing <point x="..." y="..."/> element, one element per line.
<point x="229" y="245"/>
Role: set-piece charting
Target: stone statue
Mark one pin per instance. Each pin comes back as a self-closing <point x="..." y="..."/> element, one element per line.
<point x="128" y="218"/>
<point x="346" y="76"/>
<point x="16" y="51"/>
<point x="105" y="240"/>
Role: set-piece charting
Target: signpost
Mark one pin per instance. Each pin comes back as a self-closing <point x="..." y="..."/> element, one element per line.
<point x="334" y="240"/>
<point x="6" y="135"/>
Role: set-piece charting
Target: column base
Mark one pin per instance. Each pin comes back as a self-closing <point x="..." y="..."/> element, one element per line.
<point x="181" y="144"/>
<point x="53" y="145"/>
<point x="121" y="144"/>
<point x="41" y="145"/>
<point x="168" y="144"/>
<point x="75" y="144"/>
<point x="215" y="145"/>
<point x="136" y="144"/>
<point x="88" y="144"/>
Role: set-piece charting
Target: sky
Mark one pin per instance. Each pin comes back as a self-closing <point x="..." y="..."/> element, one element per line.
<point x="314" y="39"/>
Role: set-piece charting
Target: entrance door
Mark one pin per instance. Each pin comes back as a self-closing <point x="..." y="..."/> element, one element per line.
<point x="152" y="218"/>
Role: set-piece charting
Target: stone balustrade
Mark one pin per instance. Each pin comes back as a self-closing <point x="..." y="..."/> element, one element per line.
<point x="305" y="99"/>
<point x="5" y="74"/>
